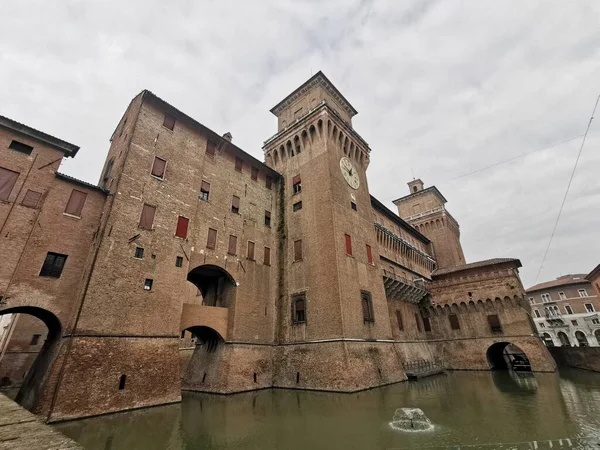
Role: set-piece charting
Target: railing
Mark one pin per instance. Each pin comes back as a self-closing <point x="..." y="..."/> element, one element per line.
<point x="421" y="366"/>
<point x="425" y="213"/>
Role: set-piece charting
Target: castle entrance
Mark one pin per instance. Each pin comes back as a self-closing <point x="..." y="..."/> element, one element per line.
<point x="216" y="285"/>
<point x="507" y="356"/>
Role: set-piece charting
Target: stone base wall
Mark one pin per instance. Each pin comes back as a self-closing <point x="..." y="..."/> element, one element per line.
<point x="587" y="358"/>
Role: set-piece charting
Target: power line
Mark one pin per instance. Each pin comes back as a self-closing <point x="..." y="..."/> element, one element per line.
<point x="567" y="191"/>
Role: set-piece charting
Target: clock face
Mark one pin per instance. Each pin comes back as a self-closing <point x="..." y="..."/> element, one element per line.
<point x="349" y="173"/>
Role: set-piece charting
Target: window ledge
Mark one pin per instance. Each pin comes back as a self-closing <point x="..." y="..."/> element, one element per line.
<point x="146" y="229"/>
<point x="72" y="216"/>
<point x="297" y="260"/>
<point x="158" y="178"/>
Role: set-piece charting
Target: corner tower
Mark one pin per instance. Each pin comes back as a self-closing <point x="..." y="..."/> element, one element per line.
<point x="424" y="208"/>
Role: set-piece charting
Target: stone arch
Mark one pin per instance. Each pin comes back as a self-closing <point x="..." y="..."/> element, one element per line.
<point x="304" y="136"/>
<point x="282" y="153"/>
<point x="289" y="149"/>
<point x="217" y="286"/>
<point x="340" y="138"/>
<point x="516" y="301"/>
<point x="297" y="147"/>
<point x="320" y="127"/>
<point x="489" y="305"/>
<point x="480" y="305"/>
<point x="454" y="308"/>
<point x="446" y="309"/>
<point x="440" y="310"/>
<point x="312" y="131"/>
<point x="498" y="303"/>
<point x="472" y="305"/>
<point x="334" y="132"/>
<point x="464" y="307"/>
<point x="564" y="339"/>
<point x="505" y="355"/>
<point x="547" y="339"/>
<point x="507" y="302"/>
<point x="431" y="310"/>
<point x="581" y="338"/>
<point x="438" y="224"/>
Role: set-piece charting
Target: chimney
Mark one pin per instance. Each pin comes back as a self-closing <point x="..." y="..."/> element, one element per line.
<point x="228" y="136"/>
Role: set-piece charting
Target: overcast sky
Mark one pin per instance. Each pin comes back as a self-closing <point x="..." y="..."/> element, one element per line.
<point x="443" y="88"/>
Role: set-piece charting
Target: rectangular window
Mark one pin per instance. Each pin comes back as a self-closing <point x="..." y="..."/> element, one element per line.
<point x="299" y="309"/>
<point x="537" y="313"/>
<point x="582" y="293"/>
<point x="53" y="265"/>
<point x="353" y="206"/>
<point x="268" y="218"/>
<point x="532" y="300"/>
<point x="589" y="307"/>
<point x="179" y="261"/>
<point x="158" y="167"/>
<point x="297" y="206"/>
<point x="542" y="325"/>
<point x="596" y="321"/>
<point x="169" y="122"/>
<point x="574" y="322"/>
<point x="418" y="322"/>
<point x="298" y="250"/>
<point x="182" y="334"/>
<point x="139" y="253"/>
<point x="182" y="227"/>
<point x="232" y="249"/>
<point x="254" y="173"/>
<point x="35" y="339"/>
<point x="75" y="203"/>
<point x="20" y="147"/>
<point x="296" y="184"/>
<point x="239" y="163"/>
<point x="269" y="182"/>
<point x="147" y="217"/>
<point x="267" y="257"/>
<point x="426" y="323"/>
<point x="8" y="178"/>
<point x="235" y="205"/>
<point x="494" y="322"/>
<point x="348" y="240"/>
<point x="399" y="319"/>
<point x="454" y="323"/>
<point x="204" y="191"/>
<point x="211" y="148"/>
<point x="31" y="199"/>
<point x="369" y="254"/>
<point x="367" y="306"/>
<point x="546" y="298"/>
<point x="148" y="282"/>
<point x="568" y="309"/>
<point x="562" y="296"/>
<point x="250" y="253"/>
<point x="211" y="242"/>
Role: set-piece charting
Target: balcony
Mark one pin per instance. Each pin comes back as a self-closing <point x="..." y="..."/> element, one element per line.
<point x="400" y="288"/>
<point x="555" y="319"/>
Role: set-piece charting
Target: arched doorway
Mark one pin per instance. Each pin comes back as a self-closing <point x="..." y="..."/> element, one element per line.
<point x="547" y="340"/>
<point x="505" y="356"/>
<point x="564" y="339"/>
<point x="33" y="382"/>
<point x="216" y="285"/>
<point x="581" y="339"/>
<point x="195" y="365"/>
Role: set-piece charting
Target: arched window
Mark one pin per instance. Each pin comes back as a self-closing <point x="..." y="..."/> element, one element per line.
<point x="299" y="308"/>
<point x="414" y="189"/>
<point x="581" y="339"/>
<point x="367" y="306"/>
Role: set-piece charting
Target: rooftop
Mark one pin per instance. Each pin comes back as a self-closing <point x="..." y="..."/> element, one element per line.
<point x="71" y="179"/>
<point x="564" y="280"/>
<point x="595" y="272"/>
<point x="477" y="264"/>
<point x="423" y="191"/>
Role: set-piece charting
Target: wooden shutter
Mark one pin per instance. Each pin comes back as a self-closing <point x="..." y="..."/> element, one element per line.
<point x="238" y="164"/>
<point x="212" y="238"/>
<point x="426" y="324"/>
<point x="254" y="173"/>
<point x="182" y="227"/>
<point x="267" y="256"/>
<point x="8" y="178"/>
<point x="32" y="199"/>
<point x="147" y="217"/>
<point x="348" y="244"/>
<point x="418" y="322"/>
<point x="399" y="318"/>
<point x="297" y="250"/>
<point x="76" y="202"/>
<point x="235" y="202"/>
<point x="232" y="249"/>
<point x="369" y="254"/>
<point x="454" y="324"/>
<point x="268" y="182"/>
<point x="158" y="168"/>
<point x="169" y="122"/>
<point x="250" y="250"/>
<point x="205" y="186"/>
<point x="296" y="179"/>
<point x="211" y="148"/>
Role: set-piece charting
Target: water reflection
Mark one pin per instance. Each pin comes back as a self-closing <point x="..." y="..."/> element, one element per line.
<point x="465" y="408"/>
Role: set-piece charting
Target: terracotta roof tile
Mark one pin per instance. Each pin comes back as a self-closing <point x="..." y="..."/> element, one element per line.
<point x="577" y="278"/>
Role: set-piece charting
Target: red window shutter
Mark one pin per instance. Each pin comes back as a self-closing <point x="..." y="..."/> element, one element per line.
<point x="205" y="186"/>
<point x="267" y="256"/>
<point x="238" y="164"/>
<point x="182" y="227"/>
<point x="75" y="203"/>
<point x="297" y="250"/>
<point x="147" y="217"/>
<point x="268" y="182"/>
<point x="169" y="122"/>
<point x="369" y="254"/>
<point x="8" y="178"/>
<point x="158" y="168"/>
<point x="296" y="179"/>
<point x="32" y="199"/>
<point x="399" y="318"/>
<point x="348" y="244"/>
<point x="235" y="202"/>
<point x="211" y="148"/>
<point x="232" y="250"/>
<point x="212" y="238"/>
<point x="250" y="255"/>
<point x="254" y="173"/>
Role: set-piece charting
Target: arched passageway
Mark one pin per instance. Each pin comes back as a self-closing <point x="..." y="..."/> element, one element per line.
<point x="507" y="356"/>
<point x="33" y="383"/>
<point x="216" y="285"/>
<point x="581" y="339"/>
<point x="196" y="362"/>
<point x="206" y="337"/>
<point x="564" y="339"/>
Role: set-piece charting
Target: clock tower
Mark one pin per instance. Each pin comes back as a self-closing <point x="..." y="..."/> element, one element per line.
<point x="328" y="262"/>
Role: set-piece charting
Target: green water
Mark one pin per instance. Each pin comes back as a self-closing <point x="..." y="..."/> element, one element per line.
<point x="466" y="408"/>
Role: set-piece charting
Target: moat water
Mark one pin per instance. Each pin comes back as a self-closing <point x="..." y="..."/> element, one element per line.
<point x="466" y="409"/>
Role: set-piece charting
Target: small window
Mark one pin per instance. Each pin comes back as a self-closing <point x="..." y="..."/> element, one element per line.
<point x="574" y="322"/>
<point x="211" y="148"/>
<point x="148" y="284"/>
<point x="297" y="206"/>
<point x="268" y="218"/>
<point x="139" y="253"/>
<point x="147" y="217"/>
<point x="254" y="173"/>
<point x="353" y="205"/>
<point x="369" y="254"/>
<point x="75" y="203"/>
<point x="562" y="296"/>
<point x="204" y="191"/>
<point x="35" y="339"/>
<point x="158" y="167"/>
<point x="269" y="182"/>
<point x="169" y="122"/>
<point x="53" y="265"/>
<point x="494" y="322"/>
<point x="20" y="147"/>
<point x="399" y="319"/>
<point x="298" y="250"/>
<point x="367" y="306"/>
<point x="182" y="334"/>
<point x="532" y="300"/>
<point x="296" y="185"/>
<point x="239" y="163"/>
<point x="582" y="293"/>
<point x="250" y="252"/>
<point x="182" y="227"/>
<point x="348" y="240"/>
<point x="542" y="325"/>
<point x="211" y="242"/>
<point x="232" y="249"/>
<point x="589" y="307"/>
<point x="568" y="309"/>
<point x="299" y="309"/>
<point x="122" y="382"/>
<point x="537" y="313"/>
<point x="267" y="257"/>
<point x="454" y="323"/>
<point x="418" y="322"/>
<point x="426" y="323"/>
<point x="596" y="321"/>
<point x="179" y="261"/>
<point x="235" y="205"/>
<point x="470" y="295"/>
<point x="31" y="199"/>
<point x="546" y="298"/>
